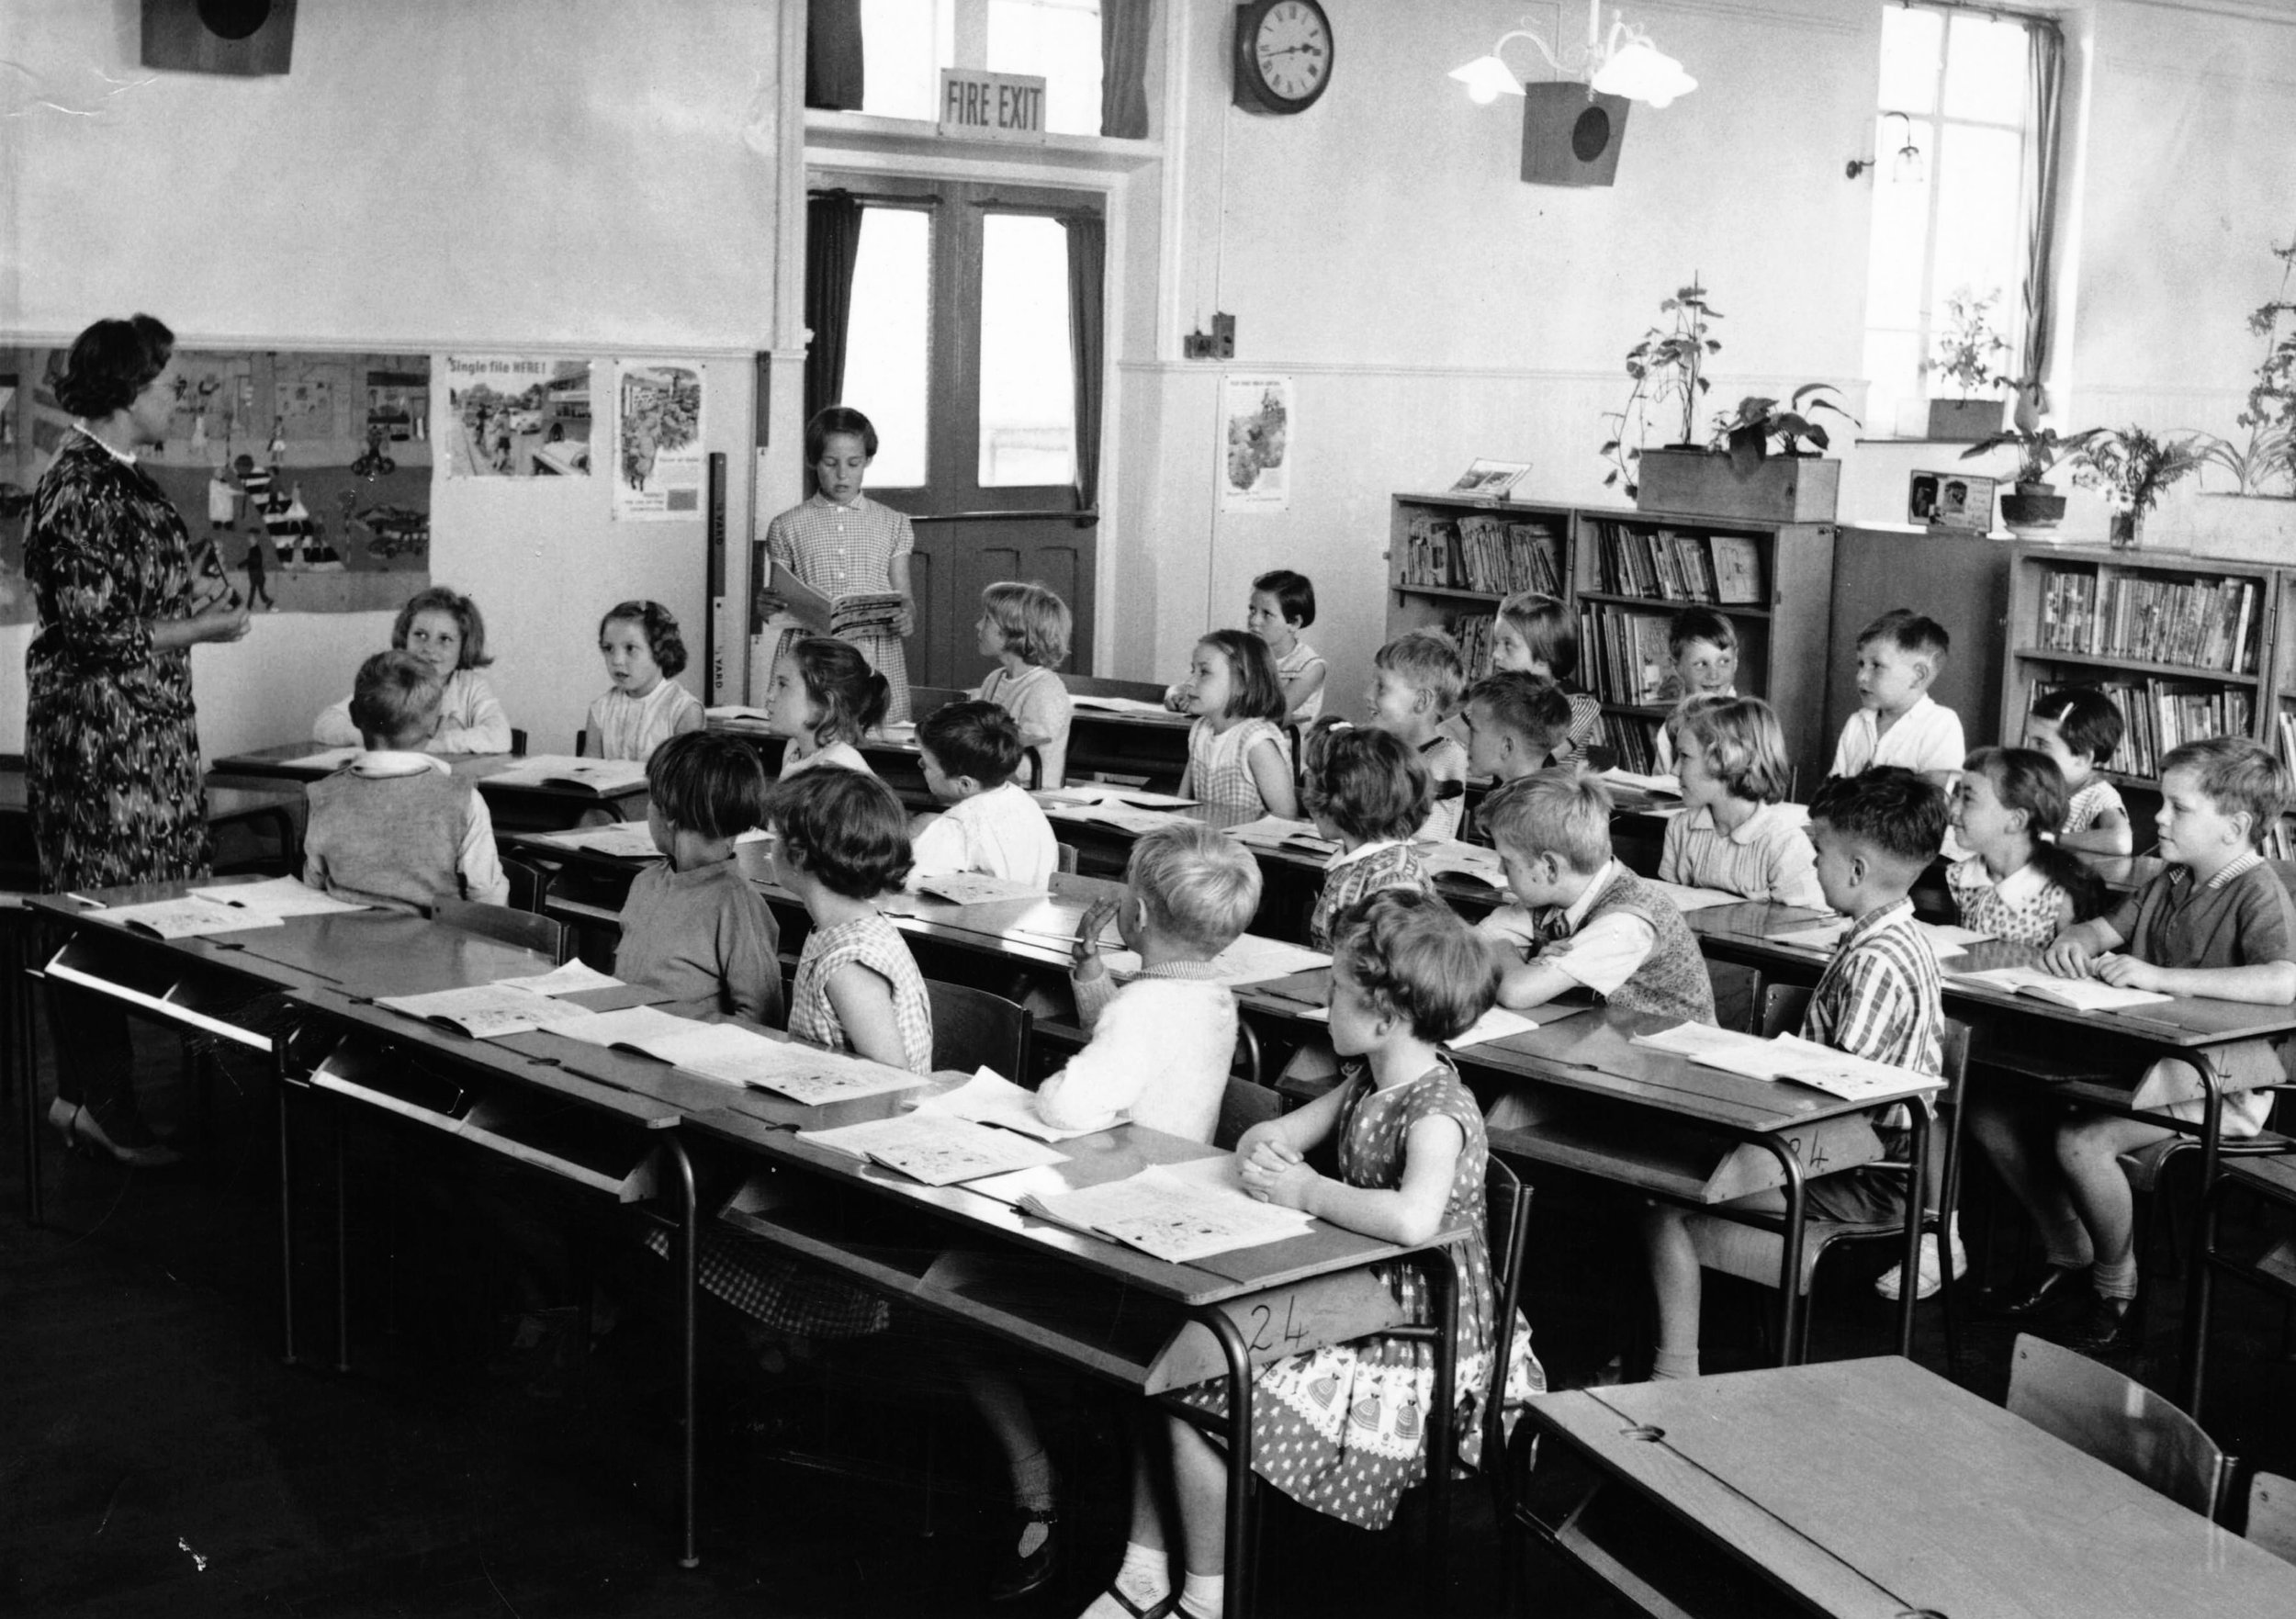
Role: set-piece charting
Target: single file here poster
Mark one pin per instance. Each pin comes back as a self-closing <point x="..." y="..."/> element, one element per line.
<point x="1255" y="449"/>
<point x="658" y="467"/>
<point x="516" y="416"/>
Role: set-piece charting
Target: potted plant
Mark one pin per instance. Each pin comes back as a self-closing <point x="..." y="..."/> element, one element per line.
<point x="1764" y="463"/>
<point x="2133" y="467"/>
<point x="1964" y="357"/>
<point x="1668" y="369"/>
<point x="2255" y="519"/>
<point x="2032" y="506"/>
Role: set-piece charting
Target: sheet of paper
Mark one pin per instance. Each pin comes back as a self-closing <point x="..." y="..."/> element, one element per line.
<point x="988" y="1098"/>
<point x="635" y="1027"/>
<point x="1466" y="859"/>
<point x="1250" y="959"/>
<point x="1944" y="939"/>
<point x="975" y="888"/>
<point x="189" y="917"/>
<point x="936" y="1148"/>
<point x="805" y="1074"/>
<point x="564" y="981"/>
<point x="1173" y="1217"/>
<point x="2085" y="995"/>
<point x="1124" y="818"/>
<point x="1116" y="704"/>
<point x="278" y="896"/>
<point x="326" y="758"/>
<point x="491" y="1010"/>
<point x="1276" y="832"/>
<point x="896" y="733"/>
<point x="1693" y="899"/>
<point x="1671" y="786"/>
<point x="1083" y="792"/>
<point x="1838" y="1073"/>
<point x="603" y="775"/>
<point x="1496" y="1024"/>
<point x="623" y="841"/>
<point x="1727" y="1048"/>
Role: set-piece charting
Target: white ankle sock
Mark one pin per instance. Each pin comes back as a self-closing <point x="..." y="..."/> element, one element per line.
<point x="1674" y="1363"/>
<point x="1204" y="1596"/>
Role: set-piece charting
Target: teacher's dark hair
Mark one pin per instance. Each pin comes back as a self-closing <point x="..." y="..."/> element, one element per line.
<point x="838" y="418"/>
<point x="112" y="361"/>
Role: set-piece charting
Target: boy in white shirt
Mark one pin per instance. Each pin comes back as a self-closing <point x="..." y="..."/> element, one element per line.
<point x="970" y="752"/>
<point x="1900" y="654"/>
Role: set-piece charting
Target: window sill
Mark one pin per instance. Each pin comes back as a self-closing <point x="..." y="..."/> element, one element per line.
<point x="1940" y="444"/>
<point x="845" y="136"/>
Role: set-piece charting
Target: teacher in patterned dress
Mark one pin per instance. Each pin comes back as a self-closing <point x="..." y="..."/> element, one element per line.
<point x="843" y="544"/>
<point x="111" y="745"/>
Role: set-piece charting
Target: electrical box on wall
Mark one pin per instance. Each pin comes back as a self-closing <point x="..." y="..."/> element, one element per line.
<point x="1571" y="136"/>
<point x="1218" y="344"/>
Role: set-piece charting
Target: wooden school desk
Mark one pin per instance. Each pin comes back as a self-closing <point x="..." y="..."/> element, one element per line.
<point x="513" y="805"/>
<point x="502" y="1097"/>
<point x="1875" y="1489"/>
<point x="1660" y="1124"/>
<point x="2015" y="1033"/>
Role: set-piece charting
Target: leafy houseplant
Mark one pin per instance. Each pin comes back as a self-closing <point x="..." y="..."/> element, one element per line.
<point x="1764" y="464"/>
<point x="2033" y="503"/>
<point x="1745" y="433"/>
<point x="1668" y="369"/>
<point x="2133" y="468"/>
<point x="1964" y="357"/>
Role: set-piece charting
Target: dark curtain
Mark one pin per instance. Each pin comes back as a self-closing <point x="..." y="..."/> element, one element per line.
<point x="833" y="55"/>
<point x="2045" y="74"/>
<point x="1125" y="26"/>
<point x="833" y="222"/>
<point x="1087" y="264"/>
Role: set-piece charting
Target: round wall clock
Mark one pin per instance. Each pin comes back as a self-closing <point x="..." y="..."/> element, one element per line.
<point x="1283" y="55"/>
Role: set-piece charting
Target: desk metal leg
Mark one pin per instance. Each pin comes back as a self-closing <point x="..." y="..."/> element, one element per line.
<point x="2196" y="1297"/>
<point x="343" y="1248"/>
<point x="1240" y="1391"/>
<point x="1917" y="1202"/>
<point x="1443" y="1291"/>
<point x="24" y="1051"/>
<point x="689" y="1244"/>
<point x="1790" y="1245"/>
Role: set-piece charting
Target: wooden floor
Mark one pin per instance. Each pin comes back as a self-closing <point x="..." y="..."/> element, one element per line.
<point x="156" y="1455"/>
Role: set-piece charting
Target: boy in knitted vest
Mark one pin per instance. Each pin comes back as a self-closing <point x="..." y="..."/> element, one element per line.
<point x="396" y="826"/>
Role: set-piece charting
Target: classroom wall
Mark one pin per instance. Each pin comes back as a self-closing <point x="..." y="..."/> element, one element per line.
<point x="564" y="176"/>
<point x="1380" y="250"/>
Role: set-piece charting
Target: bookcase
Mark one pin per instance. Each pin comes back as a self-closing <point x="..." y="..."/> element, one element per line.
<point x="1632" y="571"/>
<point x="2187" y="647"/>
<point x="1451" y="558"/>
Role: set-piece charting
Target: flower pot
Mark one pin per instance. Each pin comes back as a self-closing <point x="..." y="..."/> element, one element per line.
<point x="2033" y="511"/>
<point x="1964" y="422"/>
<point x="1700" y="483"/>
<point x="2125" y="528"/>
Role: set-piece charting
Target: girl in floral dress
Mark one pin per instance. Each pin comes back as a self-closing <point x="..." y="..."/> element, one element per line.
<point x="1343" y="1428"/>
<point x="2017" y="885"/>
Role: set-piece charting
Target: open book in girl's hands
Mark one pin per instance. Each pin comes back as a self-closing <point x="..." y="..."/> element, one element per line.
<point x="2082" y="995"/>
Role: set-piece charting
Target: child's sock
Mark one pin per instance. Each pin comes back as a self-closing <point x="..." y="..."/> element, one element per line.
<point x="2065" y="1243"/>
<point x="1204" y="1596"/>
<point x="1674" y="1363"/>
<point x="1142" y="1579"/>
<point x="2115" y="1279"/>
<point x="1032" y="1491"/>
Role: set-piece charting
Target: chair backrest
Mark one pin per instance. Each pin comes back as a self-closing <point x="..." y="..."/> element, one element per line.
<point x="545" y="934"/>
<point x="973" y="1028"/>
<point x="1780" y="1009"/>
<point x="2272" y="1514"/>
<point x="530" y="885"/>
<point x="1064" y="859"/>
<point x="581" y="741"/>
<point x="1737" y="990"/>
<point x="2117" y="1420"/>
<point x="1507" y="1218"/>
<point x="1242" y="1105"/>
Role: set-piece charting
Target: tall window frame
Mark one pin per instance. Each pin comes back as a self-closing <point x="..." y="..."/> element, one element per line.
<point x="1930" y="111"/>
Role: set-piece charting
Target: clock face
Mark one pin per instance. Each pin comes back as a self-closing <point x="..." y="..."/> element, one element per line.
<point x="1289" y="52"/>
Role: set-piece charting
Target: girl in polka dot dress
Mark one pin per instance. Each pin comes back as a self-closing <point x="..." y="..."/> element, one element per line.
<point x="1343" y="1429"/>
<point x="2017" y="885"/>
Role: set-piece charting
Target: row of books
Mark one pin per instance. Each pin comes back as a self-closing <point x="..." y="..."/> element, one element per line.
<point x="1623" y="654"/>
<point x="1633" y="742"/>
<point x="1481" y="552"/>
<point x="1666" y="565"/>
<point x="2193" y="622"/>
<point x="2161" y="715"/>
<point x="1472" y="631"/>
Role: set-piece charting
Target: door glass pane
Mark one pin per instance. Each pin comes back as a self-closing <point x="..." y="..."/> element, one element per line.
<point x="1910" y="41"/>
<point x="885" y="370"/>
<point x="905" y="44"/>
<point x="1985" y="70"/>
<point x="1028" y="383"/>
<point x="1059" y="42"/>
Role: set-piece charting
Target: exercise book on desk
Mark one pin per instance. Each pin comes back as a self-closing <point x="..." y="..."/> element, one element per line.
<point x="1120" y="704"/>
<point x="1275" y="832"/>
<point x="189" y="917"/>
<point x="939" y="1149"/>
<point x="278" y="896"/>
<point x="734" y="1054"/>
<point x="988" y="1098"/>
<point x="1789" y="1056"/>
<point x="574" y="978"/>
<point x="1946" y="938"/>
<point x="976" y="888"/>
<point x="1250" y="959"/>
<point x="1668" y="786"/>
<point x="2082" y="995"/>
<point x="488" y="1011"/>
<point x="1178" y="1217"/>
<point x="1449" y="857"/>
<point x="629" y="840"/>
<point x="1693" y="899"/>
<point x="563" y="769"/>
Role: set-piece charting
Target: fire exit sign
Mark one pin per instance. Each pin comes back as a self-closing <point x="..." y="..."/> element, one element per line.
<point x="977" y="105"/>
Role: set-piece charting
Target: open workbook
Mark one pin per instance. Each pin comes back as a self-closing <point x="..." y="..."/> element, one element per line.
<point x="2082" y="995"/>
<point x="1177" y="1212"/>
<point x="988" y="1098"/>
<point x="563" y="769"/>
<point x="739" y="1055"/>
<point x="1838" y="1073"/>
<point x="939" y="1149"/>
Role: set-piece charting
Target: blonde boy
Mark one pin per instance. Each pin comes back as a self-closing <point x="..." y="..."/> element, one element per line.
<point x="1162" y="1045"/>
<point x="1415" y="682"/>
<point x="1900" y="654"/>
<point x="1514" y="722"/>
<point x="1704" y="645"/>
<point x="1026" y="627"/>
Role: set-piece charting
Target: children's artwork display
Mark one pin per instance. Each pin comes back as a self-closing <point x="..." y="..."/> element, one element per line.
<point x="659" y="464"/>
<point x="308" y="473"/>
<point x="1255" y="449"/>
<point x="516" y="416"/>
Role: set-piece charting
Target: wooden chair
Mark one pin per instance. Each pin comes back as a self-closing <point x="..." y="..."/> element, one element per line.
<point x="1242" y="1104"/>
<point x="534" y="931"/>
<point x="1779" y="1008"/>
<point x="2272" y="1514"/>
<point x="518" y="743"/>
<point x="973" y="1028"/>
<point x="530" y="884"/>
<point x="2117" y="1420"/>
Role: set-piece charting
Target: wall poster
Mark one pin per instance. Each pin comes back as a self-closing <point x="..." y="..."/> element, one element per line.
<point x="1256" y="443"/>
<point x="660" y="469"/>
<point x="516" y="416"/>
<point x="309" y="473"/>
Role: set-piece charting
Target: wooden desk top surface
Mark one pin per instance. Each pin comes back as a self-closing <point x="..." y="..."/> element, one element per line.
<point x="280" y="763"/>
<point x="1874" y="1487"/>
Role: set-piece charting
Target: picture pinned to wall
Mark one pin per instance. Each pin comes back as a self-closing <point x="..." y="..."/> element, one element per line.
<point x="1256" y="443"/>
<point x="309" y="473"/>
<point x="1951" y="500"/>
<point x="660" y="469"/>
<point x="516" y="416"/>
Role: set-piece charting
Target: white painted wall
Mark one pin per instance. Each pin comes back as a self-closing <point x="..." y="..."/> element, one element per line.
<point x="582" y="177"/>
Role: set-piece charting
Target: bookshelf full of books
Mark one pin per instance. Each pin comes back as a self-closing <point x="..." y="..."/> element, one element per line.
<point x="2186" y="646"/>
<point x="1635" y="571"/>
<point x="1452" y="558"/>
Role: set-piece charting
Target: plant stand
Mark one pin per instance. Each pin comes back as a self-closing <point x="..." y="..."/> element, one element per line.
<point x="1964" y="422"/>
<point x="1780" y="489"/>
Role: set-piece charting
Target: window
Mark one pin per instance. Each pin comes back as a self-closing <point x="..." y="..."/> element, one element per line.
<point x="906" y="43"/>
<point x="1027" y="379"/>
<point x="886" y="352"/>
<point x="1953" y="87"/>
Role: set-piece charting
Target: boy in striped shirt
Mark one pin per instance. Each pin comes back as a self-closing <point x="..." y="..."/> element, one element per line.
<point x="1874" y="835"/>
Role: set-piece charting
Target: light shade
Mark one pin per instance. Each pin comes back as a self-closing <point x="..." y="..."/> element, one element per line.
<point x="1640" y="73"/>
<point x="1486" y="78"/>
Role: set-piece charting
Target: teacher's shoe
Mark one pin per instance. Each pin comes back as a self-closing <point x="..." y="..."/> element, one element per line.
<point x="83" y="1134"/>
